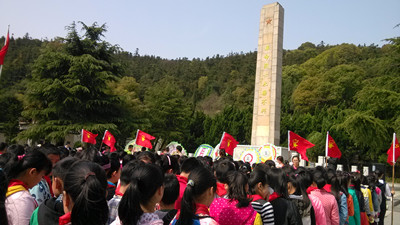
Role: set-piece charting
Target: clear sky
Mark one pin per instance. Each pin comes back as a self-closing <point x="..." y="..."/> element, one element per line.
<point x="201" y="28"/>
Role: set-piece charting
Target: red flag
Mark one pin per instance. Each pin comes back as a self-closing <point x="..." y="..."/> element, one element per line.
<point x="333" y="150"/>
<point x="4" y="50"/>
<point x="88" y="137"/>
<point x="109" y="140"/>
<point x="299" y="144"/>
<point x="390" y="159"/>
<point x="228" y="143"/>
<point x="143" y="139"/>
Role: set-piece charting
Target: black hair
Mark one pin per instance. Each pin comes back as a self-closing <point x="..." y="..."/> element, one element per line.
<point x="86" y="184"/>
<point x="278" y="181"/>
<point x="115" y="165"/>
<point x="3" y="146"/>
<point x="303" y="181"/>
<point x="14" y="165"/>
<point x="127" y="171"/>
<point x="127" y="158"/>
<point x="169" y="162"/>
<point x="144" y="183"/>
<point x="62" y="167"/>
<point x="202" y="180"/>
<point x="372" y="180"/>
<point x="171" y="189"/>
<point x="280" y="158"/>
<point x="90" y="154"/>
<point x="130" y="146"/>
<point x="146" y="155"/>
<point x="256" y="177"/>
<point x="356" y="180"/>
<point x="49" y="150"/>
<point x="222" y="167"/>
<point x="207" y="162"/>
<point x="270" y="163"/>
<point x="237" y="182"/>
<point x="245" y="168"/>
<point x="190" y="164"/>
<point x="16" y="149"/>
<point x="3" y="191"/>
<point x="179" y="148"/>
<point x="143" y="149"/>
<point x="296" y="156"/>
<point x="319" y="177"/>
<point x="343" y="179"/>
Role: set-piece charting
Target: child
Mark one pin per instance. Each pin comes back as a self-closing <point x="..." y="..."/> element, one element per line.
<point x="222" y="167"/>
<point x="145" y="190"/>
<point x="259" y="187"/>
<point x="3" y="191"/>
<point x="187" y="166"/>
<point x="84" y="195"/>
<point x="113" y="172"/>
<point x="167" y="205"/>
<point x="52" y="209"/>
<point x="125" y="178"/>
<point x="236" y="209"/>
<point x="23" y="172"/>
<point x="198" y="196"/>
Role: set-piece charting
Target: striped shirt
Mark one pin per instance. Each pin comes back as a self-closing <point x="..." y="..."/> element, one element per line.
<point x="265" y="210"/>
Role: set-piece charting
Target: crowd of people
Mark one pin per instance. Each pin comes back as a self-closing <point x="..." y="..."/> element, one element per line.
<point x="56" y="185"/>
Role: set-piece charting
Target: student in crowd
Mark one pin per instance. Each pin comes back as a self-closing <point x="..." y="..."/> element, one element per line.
<point x="344" y="182"/>
<point x="167" y="209"/>
<point x="355" y="183"/>
<point x="296" y="162"/>
<point x="328" y="200"/>
<point x="285" y="211"/>
<point x="3" y="147"/>
<point x="42" y="191"/>
<point x="145" y="190"/>
<point x="280" y="161"/>
<point x="197" y="197"/>
<point x="341" y="199"/>
<point x="298" y="195"/>
<point x="23" y="172"/>
<point x="51" y="209"/>
<point x="356" y="218"/>
<point x="113" y="172"/>
<point x="385" y="194"/>
<point x="3" y="191"/>
<point x="187" y="166"/>
<point x="369" y="208"/>
<point x="84" y="195"/>
<point x="258" y="185"/>
<point x="222" y="167"/>
<point x="236" y="209"/>
<point x="169" y="164"/>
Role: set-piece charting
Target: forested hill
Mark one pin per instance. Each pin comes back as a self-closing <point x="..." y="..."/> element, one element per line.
<point x="352" y="91"/>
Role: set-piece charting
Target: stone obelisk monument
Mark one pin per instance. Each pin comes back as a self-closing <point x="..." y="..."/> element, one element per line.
<point x="267" y="91"/>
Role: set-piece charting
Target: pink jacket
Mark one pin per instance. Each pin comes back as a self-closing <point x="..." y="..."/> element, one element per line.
<point x="225" y="211"/>
<point x="20" y="207"/>
<point x="319" y="211"/>
<point x="330" y="206"/>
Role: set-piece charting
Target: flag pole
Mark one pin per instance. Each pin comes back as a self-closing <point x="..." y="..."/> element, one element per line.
<point x="393" y="170"/>
<point x="101" y="145"/>
<point x="326" y="149"/>
<point x="137" y="132"/>
<point x="288" y="140"/>
<point x="82" y="136"/>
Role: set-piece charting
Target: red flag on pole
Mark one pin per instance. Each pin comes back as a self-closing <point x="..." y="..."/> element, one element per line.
<point x="88" y="137"/>
<point x="299" y="144"/>
<point x="143" y="139"/>
<point x="228" y="143"/>
<point x="4" y="50"/>
<point x="393" y="156"/>
<point x="109" y="140"/>
<point x="332" y="149"/>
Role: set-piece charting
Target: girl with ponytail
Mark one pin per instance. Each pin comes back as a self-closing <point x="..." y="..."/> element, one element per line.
<point x="145" y="190"/>
<point x="198" y="196"/>
<point x="84" y="195"/>
<point x="23" y="172"/>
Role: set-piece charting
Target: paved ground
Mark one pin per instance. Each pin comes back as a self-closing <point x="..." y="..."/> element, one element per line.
<point x="396" y="211"/>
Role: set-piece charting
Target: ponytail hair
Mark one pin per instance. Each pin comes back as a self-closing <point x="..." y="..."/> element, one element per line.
<point x="3" y="191"/>
<point x="237" y="182"/>
<point x="86" y="184"/>
<point x="200" y="180"/>
<point x="278" y="181"/>
<point x="145" y="181"/>
<point x="256" y="177"/>
<point x="14" y="165"/>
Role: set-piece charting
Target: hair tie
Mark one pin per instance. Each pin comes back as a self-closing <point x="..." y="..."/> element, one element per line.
<point x="89" y="174"/>
<point x="169" y="160"/>
<point x="106" y="166"/>
<point x="191" y="183"/>
<point x="20" y="157"/>
<point x="1" y="169"/>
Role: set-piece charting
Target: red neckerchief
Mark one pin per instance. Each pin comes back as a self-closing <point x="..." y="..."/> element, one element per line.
<point x="48" y="180"/>
<point x="64" y="219"/>
<point x="201" y="209"/>
<point x="327" y="187"/>
<point x="221" y="191"/>
<point x="273" y="196"/>
<point x="15" y="182"/>
<point x="310" y="189"/>
<point x="110" y="184"/>
<point x="117" y="191"/>
<point x="256" y="197"/>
